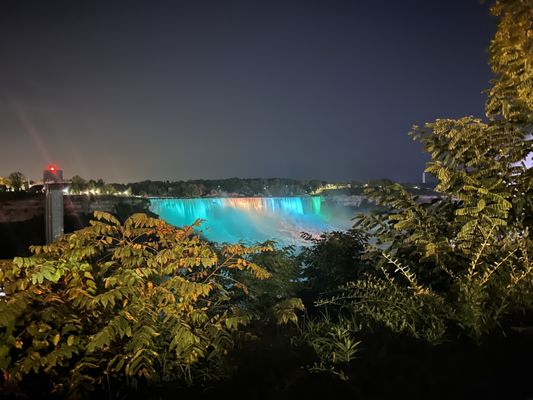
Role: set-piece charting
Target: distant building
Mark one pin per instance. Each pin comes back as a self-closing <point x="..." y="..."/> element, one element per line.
<point x="52" y="175"/>
<point x="429" y="180"/>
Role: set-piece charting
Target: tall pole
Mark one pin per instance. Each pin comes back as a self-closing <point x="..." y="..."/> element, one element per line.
<point x="54" y="214"/>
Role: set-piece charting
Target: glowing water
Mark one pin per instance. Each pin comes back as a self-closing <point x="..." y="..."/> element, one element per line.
<point x="256" y="219"/>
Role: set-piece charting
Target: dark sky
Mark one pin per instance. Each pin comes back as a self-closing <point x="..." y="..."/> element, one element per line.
<point x="133" y="90"/>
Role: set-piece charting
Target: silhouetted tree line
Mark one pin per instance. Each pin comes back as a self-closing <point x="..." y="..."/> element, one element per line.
<point x="231" y="186"/>
<point x="253" y="187"/>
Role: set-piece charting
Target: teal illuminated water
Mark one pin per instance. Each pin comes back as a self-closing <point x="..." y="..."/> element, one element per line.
<point x="256" y="219"/>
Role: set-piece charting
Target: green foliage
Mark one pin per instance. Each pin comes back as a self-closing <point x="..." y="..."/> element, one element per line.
<point x="332" y="342"/>
<point x="332" y="260"/>
<point x="511" y="55"/>
<point x="469" y="250"/>
<point x="282" y="264"/>
<point x="474" y="303"/>
<point x="405" y="307"/>
<point x="128" y="303"/>
<point x="285" y="311"/>
<point x="460" y="264"/>
<point x="273" y="300"/>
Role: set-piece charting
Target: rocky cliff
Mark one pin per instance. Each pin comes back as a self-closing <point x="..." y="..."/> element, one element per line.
<point x="19" y="207"/>
<point x="22" y="217"/>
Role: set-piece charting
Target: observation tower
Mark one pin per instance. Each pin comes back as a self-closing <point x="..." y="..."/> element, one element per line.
<point x="54" y="214"/>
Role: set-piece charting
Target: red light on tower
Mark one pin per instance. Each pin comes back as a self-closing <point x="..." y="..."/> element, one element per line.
<point x="52" y="174"/>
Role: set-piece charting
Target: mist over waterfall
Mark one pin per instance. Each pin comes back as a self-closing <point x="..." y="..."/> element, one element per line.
<point x="256" y="219"/>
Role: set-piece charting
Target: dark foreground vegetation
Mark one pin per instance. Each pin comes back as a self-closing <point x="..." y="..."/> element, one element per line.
<point x="437" y="305"/>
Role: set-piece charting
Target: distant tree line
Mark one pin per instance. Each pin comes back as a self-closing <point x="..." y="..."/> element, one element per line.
<point x="17" y="182"/>
<point x="79" y="185"/>
<point x="231" y="186"/>
<point x="200" y="187"/>
<point x="253" y="187"/>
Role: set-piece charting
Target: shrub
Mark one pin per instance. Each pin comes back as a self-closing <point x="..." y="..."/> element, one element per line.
<point x="120" y="305"/>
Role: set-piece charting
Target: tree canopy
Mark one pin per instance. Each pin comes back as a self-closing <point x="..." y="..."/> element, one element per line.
<point x="16" y="180"/>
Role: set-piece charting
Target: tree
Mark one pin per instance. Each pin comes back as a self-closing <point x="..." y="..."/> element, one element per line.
<point x="275" y="297"/>
<point x="510" y="99"/>
<point x="17" y="181"/>
<point x="334" y="259"/>
<point x="460" y="265"/>
<point x="120" y="304"/>
<point x="78" y="184"/>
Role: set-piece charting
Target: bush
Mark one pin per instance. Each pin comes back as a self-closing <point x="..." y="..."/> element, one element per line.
<point x="332" y="260"/>
<point x="120" y="305"/>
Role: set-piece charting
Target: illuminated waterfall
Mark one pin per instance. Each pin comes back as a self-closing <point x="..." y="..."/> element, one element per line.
<point x="253" y="219"/>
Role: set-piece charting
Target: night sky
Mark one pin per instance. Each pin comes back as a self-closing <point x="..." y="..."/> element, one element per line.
<point x="133" y="90"/>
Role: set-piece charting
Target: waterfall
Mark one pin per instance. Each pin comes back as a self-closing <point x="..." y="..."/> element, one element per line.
<point x="253" y="219"/>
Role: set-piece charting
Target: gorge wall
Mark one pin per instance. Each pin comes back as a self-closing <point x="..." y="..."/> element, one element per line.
<point x="22" y="217"/>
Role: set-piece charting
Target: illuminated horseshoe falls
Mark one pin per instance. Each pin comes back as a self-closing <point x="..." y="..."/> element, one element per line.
<point x="256" y="219"/>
